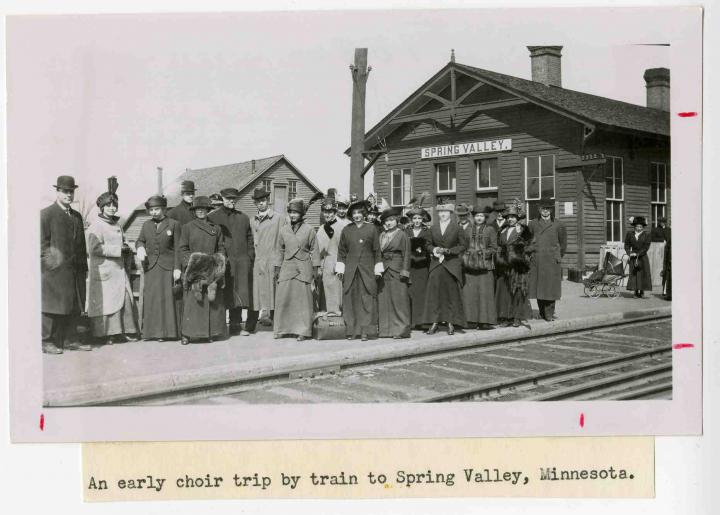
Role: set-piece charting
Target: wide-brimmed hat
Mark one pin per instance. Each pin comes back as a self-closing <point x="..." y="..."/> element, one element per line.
<point x="229" y="193"/>
<point x="514" y="211"/>
<point x="342" y="200"/>
<point x="390" y="211"/>
<point x="499" y="206"/>
<point x="201" y="202"/>
<point x="638" y="220"/>
<point x="260" y="193"/>
<point x="156" y="201"/>
<point x="462" y="209"/>
<point x="297" y="205"/>
<point x="65" y="182"/>
<point x="357" y="203"/>
<point x="418" y="211"/>
<point x="445" y="205"/>
<point x="187" y="187"/>
<point x="329" y="204"/>
<point x="546" y="204"/>
<point x="486" y="210"/>
<point x="106" y="198"/>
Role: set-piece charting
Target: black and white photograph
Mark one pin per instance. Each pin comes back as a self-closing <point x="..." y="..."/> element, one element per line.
<point x="338" y="208"/>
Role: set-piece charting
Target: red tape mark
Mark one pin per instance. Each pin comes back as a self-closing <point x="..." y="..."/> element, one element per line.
<point x="42" y="422"/>
<point x="683" y="346"/>
<point x="687" y="114"/>
<point x="582" y="419"/>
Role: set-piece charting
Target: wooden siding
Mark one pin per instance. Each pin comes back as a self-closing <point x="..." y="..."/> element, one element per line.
<point x="534" y="131"/>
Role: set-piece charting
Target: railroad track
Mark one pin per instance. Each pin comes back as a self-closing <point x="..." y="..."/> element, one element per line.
<point x="627" y="361"/>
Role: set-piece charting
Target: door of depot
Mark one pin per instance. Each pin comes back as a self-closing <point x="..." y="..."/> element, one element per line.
<point x="280" y="198"/>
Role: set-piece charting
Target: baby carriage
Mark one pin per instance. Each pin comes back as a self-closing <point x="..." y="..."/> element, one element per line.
<point x="606" y="280"/>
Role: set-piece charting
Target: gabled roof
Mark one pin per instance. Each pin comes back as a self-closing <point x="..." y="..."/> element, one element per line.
<point x="237" y="175"/>
<point x="583" y="107"/>
<point x="596" y="109"/>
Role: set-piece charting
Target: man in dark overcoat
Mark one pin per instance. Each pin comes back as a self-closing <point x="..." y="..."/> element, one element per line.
<point x="496" y="220"/>
<point x="549" y="243"/>
<point x="182" y="212"/>
<point x="63" y="269"/>
<point x="240" y="248"/>
<point x="358" y="264"/>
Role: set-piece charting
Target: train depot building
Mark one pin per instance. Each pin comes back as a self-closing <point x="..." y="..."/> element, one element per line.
<point x="476" y="136"/>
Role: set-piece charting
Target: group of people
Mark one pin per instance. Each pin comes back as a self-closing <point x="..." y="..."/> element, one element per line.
<point x="385" y="270"/>
<point x="205" y="264"/>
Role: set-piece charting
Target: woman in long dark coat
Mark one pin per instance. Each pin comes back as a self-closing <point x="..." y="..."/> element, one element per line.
<point x="358" y="265"/>
<point x="203" y="319"/>
<point x="445" y="277"/>
<point x="393" y="294"/>
<point x="419" y="236"/>
<point x="479" y="288"/>
<point x="513" y="265"/>
<point x="299" y="258"/>
<point x="156" y="249"/>
<point x="637" y="244"/>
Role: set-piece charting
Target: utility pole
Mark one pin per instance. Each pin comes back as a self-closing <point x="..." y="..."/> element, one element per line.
<point x="359" y="72"/>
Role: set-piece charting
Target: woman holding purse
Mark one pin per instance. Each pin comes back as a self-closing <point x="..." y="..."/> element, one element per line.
<point x="478" y="265"/>
<point x="637" y="244"/>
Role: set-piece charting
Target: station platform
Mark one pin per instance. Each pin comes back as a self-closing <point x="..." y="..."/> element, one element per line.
<point x="117" y="373"/>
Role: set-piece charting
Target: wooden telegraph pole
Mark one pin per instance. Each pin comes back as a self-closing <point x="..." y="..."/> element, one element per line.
<point x="359" y="72"/>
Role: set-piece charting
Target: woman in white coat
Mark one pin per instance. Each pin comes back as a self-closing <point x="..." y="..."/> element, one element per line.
<point x="111" y="307"/>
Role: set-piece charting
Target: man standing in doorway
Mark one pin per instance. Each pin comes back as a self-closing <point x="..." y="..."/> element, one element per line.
<point x="240" y="249"/>
<point x="266" y="226"/>
<point x="549" y="243"/>
<point x="182" y="212"/>
<point x="63" y="269"/>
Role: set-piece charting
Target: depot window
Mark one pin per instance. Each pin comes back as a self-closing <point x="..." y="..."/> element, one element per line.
<point x="658" y="191"/>
<point x="292" y="190"/>
<point x="445" y="177"/>
<point x="486" y="172"/>
<point x="614" y="198"/>
<point x="400" y="186"/>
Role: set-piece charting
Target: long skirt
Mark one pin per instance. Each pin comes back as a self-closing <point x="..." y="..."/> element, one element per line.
<point x="123" y="321"/>
<point x="640" y="279"/>
<point x="202" y="318"/>
<point x="444" y="304"/>
<point x="393" y="305"/>
<point x="332" y="287"/>
<point x="479" y="297"/>
<point x="510" y="306"/>
<point x="418" y="287"/>
<point x="293" y="308"/>
<point x="360" y="309"/>
<point x="160" y="318"/>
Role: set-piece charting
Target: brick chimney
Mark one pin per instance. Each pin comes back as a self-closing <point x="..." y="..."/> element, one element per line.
<point x="545" y="62"/>
<point x="657" y="83"/>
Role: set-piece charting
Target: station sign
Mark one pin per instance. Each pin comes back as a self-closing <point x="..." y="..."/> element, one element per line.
<point x="462" y="149"/>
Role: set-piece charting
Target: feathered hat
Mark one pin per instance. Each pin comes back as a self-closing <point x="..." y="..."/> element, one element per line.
<point x="445" y="204"/>
<point x="300" y="206"/>
<point x="329" y="202"/>
<point x="109" y="196"/>
<point x="415" y="207"/>
<point x="516" y="209"/>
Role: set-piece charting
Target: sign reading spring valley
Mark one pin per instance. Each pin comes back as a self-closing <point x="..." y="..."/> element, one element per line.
<point x="461" y="149"/>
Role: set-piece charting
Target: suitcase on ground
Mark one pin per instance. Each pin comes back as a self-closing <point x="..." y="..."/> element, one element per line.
<point x="328" y="326"/>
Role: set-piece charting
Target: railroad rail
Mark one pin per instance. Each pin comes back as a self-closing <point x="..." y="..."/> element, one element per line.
<point x="631" y="360"/>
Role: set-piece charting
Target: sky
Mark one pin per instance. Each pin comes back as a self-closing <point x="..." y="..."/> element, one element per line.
<point x="100" y="95"/>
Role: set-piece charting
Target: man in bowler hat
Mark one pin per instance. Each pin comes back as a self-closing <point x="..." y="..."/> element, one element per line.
<point x="549" y="244"/>
<point x="63" y="269"/>
<point x="182" y="212"/>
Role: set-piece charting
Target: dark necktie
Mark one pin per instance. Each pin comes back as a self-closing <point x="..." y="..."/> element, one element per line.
<point x="329" y="229"/>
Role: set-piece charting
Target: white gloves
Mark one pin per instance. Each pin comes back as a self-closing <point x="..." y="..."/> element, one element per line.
<point x="339" y="268"/>
<point x="141" y="253"/>
<point x="176" y="275"/>
<point x="379" y="268"/>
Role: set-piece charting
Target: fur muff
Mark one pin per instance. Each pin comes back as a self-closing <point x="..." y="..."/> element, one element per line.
<point x="204" y="270"/>
<point x="518" y="258"/>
